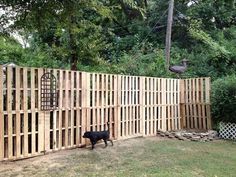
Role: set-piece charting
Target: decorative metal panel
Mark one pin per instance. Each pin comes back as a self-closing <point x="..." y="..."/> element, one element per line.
<point x="48" y="92"/>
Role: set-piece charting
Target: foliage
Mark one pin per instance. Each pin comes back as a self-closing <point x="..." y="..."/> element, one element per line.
<point x="224" y="99"/>
<point x="12" y="52"/>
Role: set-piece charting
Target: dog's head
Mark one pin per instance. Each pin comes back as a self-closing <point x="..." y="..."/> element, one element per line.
<point x="86" y="135"/>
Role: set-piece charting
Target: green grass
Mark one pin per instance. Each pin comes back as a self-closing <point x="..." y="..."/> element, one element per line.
<point x="135" y="157"/>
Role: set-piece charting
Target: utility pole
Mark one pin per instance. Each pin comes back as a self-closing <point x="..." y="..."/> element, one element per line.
<point x="168" y="33"/>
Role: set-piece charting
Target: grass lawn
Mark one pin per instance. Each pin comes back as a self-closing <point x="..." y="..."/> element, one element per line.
<point x="134" y="157"/>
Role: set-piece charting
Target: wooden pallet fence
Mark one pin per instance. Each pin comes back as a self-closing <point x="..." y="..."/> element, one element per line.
<point x="129" y="106"/>
<point x="133" y="105"/>
<point x="102" y="99"/>
<point x="195" y="103"/>
<point x="19" y="112"/>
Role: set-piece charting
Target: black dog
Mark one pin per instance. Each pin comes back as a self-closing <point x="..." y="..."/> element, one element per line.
<point x="95" y="136"/>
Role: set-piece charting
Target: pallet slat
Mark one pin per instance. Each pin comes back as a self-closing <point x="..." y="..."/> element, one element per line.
<point x="1" y="116"/>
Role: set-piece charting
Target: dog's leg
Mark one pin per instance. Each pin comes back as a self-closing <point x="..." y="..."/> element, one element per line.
<point x="93" y="143"/>
<point x="105" y="141"/>
<point x="110" y="141"/>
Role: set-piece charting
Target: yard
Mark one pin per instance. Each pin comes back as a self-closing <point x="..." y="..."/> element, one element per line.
<point x="134" y="157"/>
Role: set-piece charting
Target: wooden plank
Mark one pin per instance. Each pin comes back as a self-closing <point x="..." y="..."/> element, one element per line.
<point x="187" y="102"/>
<point x="190" y="103"/>
<point x="54" y="129"/>
<point x="130" y="105"/>
<point x="102" y="101"/>
<point x="198" y="113"/>
<point x="178" y="109"/>
<point x="41" y="142"/>
<point x="60" y="107"/>
<point x="126" y="106"/>
<point x="119" y="102"/>
<point x="174" y="110"/>
<point x="55" y="112"/>
<point x="208" y="109"/>
<point x="151" y="106"/>
<point x="159" y="103"/>
<point x="66" y="107"/>
<point x="94" y="99"/>
<point x="163" y="99"/>
<point x="72" y="108"/>
<point x="78" y="106"/>
<point x="182" y="95"/>
<point x="106" y="98"/>
<point x="123" y="105"/>
<point x="9" y="111"/>
<point x="207" y="89"/>
<point x="142" y="102"/>
<point x="135" y="94"/>
<point x="18" y="137"/>
<point x="194" y="104"/>
<point x="137" y="105"/>
<point x="155" y="106"/>
<point x="87" y="102"/>
<point x="168" y="104"/>
<point x="25" y="107"/>
<point x="101" y="121"/>
<point x="173" y="103"/>
<point x="172" y="95"/>
<point x="147" y="106"/>
<point x="47" y="131"/>
<point x="33" y="118"/>
<point x="202" y="104"/>
<point x="116" y="108"/>
<point x="85" y="98"/>
<point x="97" y="116"/>
<point x="1" y="116"/>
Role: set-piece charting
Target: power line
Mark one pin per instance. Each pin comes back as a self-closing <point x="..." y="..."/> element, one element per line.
<point x="130" y="25"/>
<point x="143" y="41"/>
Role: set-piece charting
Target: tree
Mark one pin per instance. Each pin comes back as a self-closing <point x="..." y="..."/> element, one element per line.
<point x="71" y="26"/>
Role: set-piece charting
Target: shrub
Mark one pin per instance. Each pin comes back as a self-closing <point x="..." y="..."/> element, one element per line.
<point x="224" y="99"/>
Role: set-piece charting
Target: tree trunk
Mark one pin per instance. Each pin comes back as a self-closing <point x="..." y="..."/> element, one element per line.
<point x="73" y="46"/>
<point x="73" y="62"/>
<point x="168" y="33"/>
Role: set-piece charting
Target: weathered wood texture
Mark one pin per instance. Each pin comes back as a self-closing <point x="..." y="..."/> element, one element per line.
<point x="195" y="103"/>
<point x="134" y="106"/>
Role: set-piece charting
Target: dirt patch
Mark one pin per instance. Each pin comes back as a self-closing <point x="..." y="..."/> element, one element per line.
<point x="54" y="163"/>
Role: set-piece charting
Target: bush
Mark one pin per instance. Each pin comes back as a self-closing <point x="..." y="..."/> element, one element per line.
<point x="224" y="99"/>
